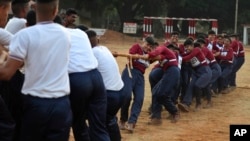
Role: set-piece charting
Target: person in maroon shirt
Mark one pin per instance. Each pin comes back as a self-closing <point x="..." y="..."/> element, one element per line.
<point x="239" y="59"/>
<point x="215" y="68"/>
<point x="165" y="88"/>
<point x="225" y="57"/>
<point x="186" y="70"/>
<point x="157" y="72"/>
<point x="135" y="84"/>
<point x="218" y="44"/>
<point x="211" y="39"/>
<point x="174" y="39"/>
<point x="200" y="78"/>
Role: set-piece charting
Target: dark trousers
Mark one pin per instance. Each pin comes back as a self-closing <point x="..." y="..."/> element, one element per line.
<point x="200" y="79"/>
<point x="136" y="85"/>
<point x="115" y="101"/>
<point x="7" y="124"/>
<point x="237" y="64"/>
<point x="89" y="101"/>
<point x="11" y="92"/>
<point x="226" y="70"/>
<point x="216" y="72"/>
<point x="46" y="119"/>
<point x="163" y="92"/>
<point x="155" y="76"/>
<point x="186" y="73"/>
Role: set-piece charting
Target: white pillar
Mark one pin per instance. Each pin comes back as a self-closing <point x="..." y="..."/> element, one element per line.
<point x="245" y="36"/>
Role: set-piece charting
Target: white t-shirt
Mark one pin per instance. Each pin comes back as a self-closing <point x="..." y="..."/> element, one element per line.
<point x="5" y="37"/>
<point x="108" y="68"/>
<point x="44" y="48"/>
<point x="81" y="55"/>
<point x="15" y="24"/>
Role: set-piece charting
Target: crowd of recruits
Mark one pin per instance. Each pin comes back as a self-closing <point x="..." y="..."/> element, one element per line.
<point x="199" y="68"/>
<point x="169" y="79"/>
<point x="61" y="84"/>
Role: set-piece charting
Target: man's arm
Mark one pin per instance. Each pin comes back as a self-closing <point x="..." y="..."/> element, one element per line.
<point x="8" y="69"/>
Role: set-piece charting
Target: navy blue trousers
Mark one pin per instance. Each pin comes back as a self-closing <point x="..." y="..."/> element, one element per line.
<point x="136" y="86"/>
<point x="163" y="92"/>
<point x="237" y="64"/>
<point x="89" y="102"/>
<point x="186" y="73"/>
<point x="115" y="101"/>
<point x="46" y="119"/>
<point x="216" y="72"/>
<point x="155" y="76"/>
<point x="200" y="80"/>
<point x="7" y="124"/>
<point x="226" y="70"/>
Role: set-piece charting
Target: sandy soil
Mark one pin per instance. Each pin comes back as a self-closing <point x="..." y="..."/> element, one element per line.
<point x="206" y="125"/>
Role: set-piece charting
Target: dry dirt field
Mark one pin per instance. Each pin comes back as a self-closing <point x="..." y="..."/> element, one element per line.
<point x="206" y="125"/>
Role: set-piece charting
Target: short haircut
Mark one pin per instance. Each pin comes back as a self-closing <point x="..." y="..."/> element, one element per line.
<point x="31" y="18"/>
<point x="82" y="27"/>
<point x="175" y="33"/>
<point x="201" y="41"/>
<point x="19" y="2"/>
<point x="190" y="38"/>
<point x="227" y="37"/>
<point x="197" y="44"/>
<point x="219" y="36"/>
<point x="91" y="33"/>
<point x="46" y="7"/>
<point x="201" y="37"/>
<point x="70" y="11"/>
<point x="211" y="32"/>
<point x="150" y="40"/>
<point x="58" y="20"/>
<point x="172" y="46"/>
<point x="18" y="6"/>
<point x="188" y="42"/>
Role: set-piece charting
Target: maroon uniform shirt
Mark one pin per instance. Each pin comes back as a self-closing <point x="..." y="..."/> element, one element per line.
<point x="226" y="55"/>
<point x="208" y="55"/>
<point x="241" y="50"/>
<point x="238" y="49"/>
<point x="168" y="57"/>
<point x="196" y="58"/>
<point x="139" y="64"/>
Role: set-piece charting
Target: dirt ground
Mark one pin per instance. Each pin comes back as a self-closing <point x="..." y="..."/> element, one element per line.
<point x="205" y="125"/>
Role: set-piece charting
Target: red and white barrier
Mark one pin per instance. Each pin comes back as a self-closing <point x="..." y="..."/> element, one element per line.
<point x="148" y="23"/>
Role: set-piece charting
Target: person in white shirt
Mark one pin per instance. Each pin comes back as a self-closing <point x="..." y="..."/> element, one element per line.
<point x="46" y="106"/>
<point x="20" y="9"/>
<point x="15" y="24"/>
<point x="7" y="123"/>
<point x="5" y="37"/>
<point x="114" y="85"/>
<point x="88" y="96"/>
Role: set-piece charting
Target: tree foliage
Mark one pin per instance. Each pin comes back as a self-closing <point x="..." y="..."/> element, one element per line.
<point x="134" y="10"/>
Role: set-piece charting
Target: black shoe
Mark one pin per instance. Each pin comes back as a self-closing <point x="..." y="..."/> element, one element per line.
<point x="183" y="107"/>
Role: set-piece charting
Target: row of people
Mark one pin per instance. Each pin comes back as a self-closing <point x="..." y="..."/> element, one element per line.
<point x="67" y="81"/>
<point x="184" y="71"/>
